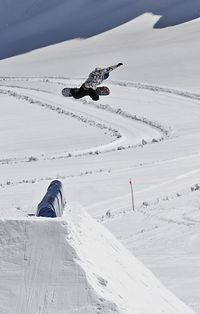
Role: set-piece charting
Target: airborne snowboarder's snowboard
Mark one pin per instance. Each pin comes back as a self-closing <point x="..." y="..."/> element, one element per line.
<point x="101" y="91"/>
<point x="66" y="92"/>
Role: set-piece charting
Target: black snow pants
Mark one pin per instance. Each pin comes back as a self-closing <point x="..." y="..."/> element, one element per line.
<point x="83" y="91"/>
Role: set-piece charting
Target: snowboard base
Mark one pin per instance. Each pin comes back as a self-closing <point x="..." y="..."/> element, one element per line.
<point x="101" y="91"/>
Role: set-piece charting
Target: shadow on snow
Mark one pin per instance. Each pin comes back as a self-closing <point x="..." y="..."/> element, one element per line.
<point x="37" y="23"/>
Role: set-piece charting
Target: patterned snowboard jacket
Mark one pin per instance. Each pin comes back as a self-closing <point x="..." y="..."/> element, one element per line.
<point x="96" y="77"/>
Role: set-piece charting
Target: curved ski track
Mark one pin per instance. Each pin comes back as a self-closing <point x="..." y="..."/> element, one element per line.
<point x="78" y="109"/>
<point x="121" y="125"/>
<point x="166" y="181"/>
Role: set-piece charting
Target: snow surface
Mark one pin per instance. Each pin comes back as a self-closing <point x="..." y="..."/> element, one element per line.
<point x="148" y="129"/>
<point x="74" y="265"/>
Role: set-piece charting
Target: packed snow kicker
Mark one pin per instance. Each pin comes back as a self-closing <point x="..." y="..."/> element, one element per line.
<point x="146" y="129"/>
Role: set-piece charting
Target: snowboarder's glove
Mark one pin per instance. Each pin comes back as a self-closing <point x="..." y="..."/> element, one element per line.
<point x="118" y="65"/>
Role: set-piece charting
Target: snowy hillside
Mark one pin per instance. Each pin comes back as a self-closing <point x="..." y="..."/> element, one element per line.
<point x="37" y="23"/>
<point x="147" y="129"/>
<point x="68" y="277"/>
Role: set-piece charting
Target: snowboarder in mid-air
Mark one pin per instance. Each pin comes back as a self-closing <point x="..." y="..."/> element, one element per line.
<point x="89" y="88"/>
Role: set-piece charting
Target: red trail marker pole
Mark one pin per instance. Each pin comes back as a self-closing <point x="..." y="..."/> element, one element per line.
<point x="132" y="195"/>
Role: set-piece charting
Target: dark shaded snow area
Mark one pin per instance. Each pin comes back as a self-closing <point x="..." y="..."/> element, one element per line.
<point x="28" y="25"/>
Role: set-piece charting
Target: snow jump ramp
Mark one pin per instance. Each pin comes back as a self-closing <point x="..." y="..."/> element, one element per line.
<point x="74" y="265"/>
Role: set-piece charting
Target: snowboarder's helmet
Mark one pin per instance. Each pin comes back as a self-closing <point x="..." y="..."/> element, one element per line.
<point x="106" y="76"/>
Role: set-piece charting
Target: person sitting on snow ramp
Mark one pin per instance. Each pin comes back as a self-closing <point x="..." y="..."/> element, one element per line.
<point x="95" y="78"/>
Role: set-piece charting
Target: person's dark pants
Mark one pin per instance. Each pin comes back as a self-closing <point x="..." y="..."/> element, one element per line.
<point x="83" y="91"/>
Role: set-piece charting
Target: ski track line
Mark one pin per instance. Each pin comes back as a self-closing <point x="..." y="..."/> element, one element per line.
<point x="121" y="211"/>
<point x="100" y="106"/>
<point x="61" y="111"/>
<point x="108" y="108"/>
<point x="58" y="177"/>
<point x="137" y="85"/>
<point x="150" y="188"/>
<point x="166" y="131"/>
<point x="93" y="150"/>
<point x="146" y="210"/>
<point x="118" y="111"/>
<point x="119" y="137"/>
<point x="155" y="88"/>
<point x="113" y="132"/>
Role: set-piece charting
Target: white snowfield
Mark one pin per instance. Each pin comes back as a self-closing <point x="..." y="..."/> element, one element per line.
<point x="113" y="279"/>
<point x="147" y="129"/>
<point x="74" y="265"/>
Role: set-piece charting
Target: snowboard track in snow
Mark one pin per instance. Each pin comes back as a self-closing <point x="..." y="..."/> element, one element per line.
<point x="166" y="132"/>
<point x="158" y="89"/>
<point x="163" y="132"/>
<point x="159" y="205"/>
<point x="31" y="100"/>
<point x="148" y="209"/>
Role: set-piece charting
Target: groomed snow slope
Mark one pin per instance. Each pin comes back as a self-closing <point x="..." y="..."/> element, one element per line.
<point x="159" y="149"/>
<point x="74" y="265"/>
